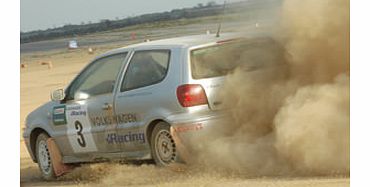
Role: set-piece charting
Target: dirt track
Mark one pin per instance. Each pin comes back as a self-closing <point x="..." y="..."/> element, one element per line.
<point x="36" y="83"/>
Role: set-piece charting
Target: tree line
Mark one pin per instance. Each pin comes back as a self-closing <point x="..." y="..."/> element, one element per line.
<point x="209" y="9"/>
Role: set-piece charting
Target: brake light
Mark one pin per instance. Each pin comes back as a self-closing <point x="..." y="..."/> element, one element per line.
<point x="191" y="95"/>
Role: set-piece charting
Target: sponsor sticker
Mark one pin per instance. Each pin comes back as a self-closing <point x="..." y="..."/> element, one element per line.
<point x="59" y="115"/>
<point x="191" y="127"/>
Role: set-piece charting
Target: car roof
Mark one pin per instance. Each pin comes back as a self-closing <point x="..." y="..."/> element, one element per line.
<point x="187" y="41"/>
<point x="178" y="42"/>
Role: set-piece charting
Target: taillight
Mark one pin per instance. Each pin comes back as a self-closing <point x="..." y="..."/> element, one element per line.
<point x="191" y="95"/>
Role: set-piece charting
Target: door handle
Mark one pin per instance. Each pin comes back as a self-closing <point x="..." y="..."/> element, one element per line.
<point x="107" y="106"/>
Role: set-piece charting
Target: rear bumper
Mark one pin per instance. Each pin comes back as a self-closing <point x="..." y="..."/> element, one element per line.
<point x="203" y="126"/>
<point x="193" y="134"/>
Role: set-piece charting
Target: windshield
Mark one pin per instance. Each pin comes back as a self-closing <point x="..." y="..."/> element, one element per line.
<point x="221" y="59"/>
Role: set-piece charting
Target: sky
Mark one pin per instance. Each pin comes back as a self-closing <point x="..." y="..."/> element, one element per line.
<point x="43" y="14"/>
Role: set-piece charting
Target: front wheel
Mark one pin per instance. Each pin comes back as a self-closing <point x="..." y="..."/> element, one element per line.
<point x="162" y="145"/>
<point x="44" y="158"/>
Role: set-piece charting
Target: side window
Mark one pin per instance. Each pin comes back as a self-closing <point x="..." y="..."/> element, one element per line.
<point x="98" y="78"/>
<point x="146" y="68"/>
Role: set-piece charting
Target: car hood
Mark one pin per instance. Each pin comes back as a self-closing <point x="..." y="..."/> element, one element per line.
<point x="42" y="114"/>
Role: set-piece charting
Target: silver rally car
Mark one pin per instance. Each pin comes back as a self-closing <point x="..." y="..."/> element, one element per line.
<point x="124" y="103"/>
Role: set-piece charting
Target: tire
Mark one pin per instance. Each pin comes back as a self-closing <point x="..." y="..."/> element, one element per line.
<point x="162" y="145"/>
<point x="43" y="157"/>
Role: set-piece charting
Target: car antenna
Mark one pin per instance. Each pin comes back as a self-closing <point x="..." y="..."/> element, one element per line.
<point x="219" y="24"/>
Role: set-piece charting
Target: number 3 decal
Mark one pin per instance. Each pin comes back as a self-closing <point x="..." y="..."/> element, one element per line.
<point x="80" y="139"/>
<point x="79" y="129"/>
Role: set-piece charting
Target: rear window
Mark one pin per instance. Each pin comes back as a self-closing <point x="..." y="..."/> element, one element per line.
<point x="223" y="58"/>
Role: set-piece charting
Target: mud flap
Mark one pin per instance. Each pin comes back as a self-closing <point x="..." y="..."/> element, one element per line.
<point x="180" y="147"/>
<point x="56" y="159"/>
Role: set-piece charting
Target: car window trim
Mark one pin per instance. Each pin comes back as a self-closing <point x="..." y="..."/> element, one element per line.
<point x="87" y="67"/>
<point x="122" y="73"/>
<point x="129" y="62"/>
<point x="90" y="98"/>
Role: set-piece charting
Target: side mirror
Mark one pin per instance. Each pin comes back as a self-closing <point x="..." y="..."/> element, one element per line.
<point x="57" y="95"/>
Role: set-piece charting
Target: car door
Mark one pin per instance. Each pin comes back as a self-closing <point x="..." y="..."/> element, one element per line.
<point x="88" y="107"/>
<point x="135" y="100"/>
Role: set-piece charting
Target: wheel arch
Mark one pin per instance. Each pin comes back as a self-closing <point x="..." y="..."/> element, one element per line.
<point x="151" y="126"/>
<point x="33" y="138"/>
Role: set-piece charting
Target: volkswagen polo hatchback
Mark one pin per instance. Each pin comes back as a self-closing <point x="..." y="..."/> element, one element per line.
<point x="124" y="103"/>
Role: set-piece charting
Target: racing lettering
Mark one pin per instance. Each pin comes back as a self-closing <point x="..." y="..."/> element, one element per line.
<point x="76" y="107"/>
<point x="109" y="120"/>
<point x="102" y="120"/>
<point x="78" y="113"/>
<point x="114" y="138"/>
<point x="126" y="118"/>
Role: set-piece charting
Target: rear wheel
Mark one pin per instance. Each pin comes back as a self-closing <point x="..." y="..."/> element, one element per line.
<point x="44" y="158"/>
<point x="162" y="145"/>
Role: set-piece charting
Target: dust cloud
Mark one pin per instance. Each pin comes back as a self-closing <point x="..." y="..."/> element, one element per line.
<point x="290" y="120"/>
<point x="294" y="125"/>
<point x="312" y="128"/>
